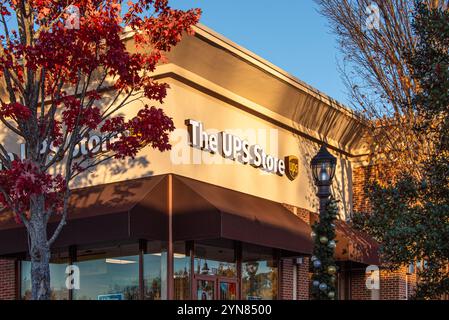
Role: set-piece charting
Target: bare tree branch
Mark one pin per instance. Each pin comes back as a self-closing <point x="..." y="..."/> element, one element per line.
<point x="378" y="75"/>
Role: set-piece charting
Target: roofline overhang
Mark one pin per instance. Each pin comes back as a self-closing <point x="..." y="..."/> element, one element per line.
<point x="191" y="79"/>
<point x="211" y="36"/>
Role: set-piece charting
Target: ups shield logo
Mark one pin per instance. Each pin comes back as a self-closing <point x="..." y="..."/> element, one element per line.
<point x="292" y="167"/>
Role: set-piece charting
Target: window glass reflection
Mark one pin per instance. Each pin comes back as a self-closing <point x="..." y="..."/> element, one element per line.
<point x="215" y="259"/>
<point x="57" y="280"/>
<point x="227" y="290"/>
<point x="205" y="290"/>
<point x="259" y="274"/>
<point x="114" y="278"/>
<point x="110" y="273"/>
<point x="154" y="270"/>
<point x="152" y="276"/>
<point x="181" y="275"/>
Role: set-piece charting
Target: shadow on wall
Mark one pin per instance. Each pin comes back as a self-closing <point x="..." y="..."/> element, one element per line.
<point x="12" y="142"/>
<point x="114" y="167"/>
<point x="104" y="173"/>
<point x="329" y="122"/>
<point x="110" y="197"/>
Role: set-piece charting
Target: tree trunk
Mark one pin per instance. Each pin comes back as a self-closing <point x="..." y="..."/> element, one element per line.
<point x="40" y="255"/>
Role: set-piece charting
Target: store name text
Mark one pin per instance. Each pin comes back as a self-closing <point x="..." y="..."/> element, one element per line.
<point x="232" y="147"/>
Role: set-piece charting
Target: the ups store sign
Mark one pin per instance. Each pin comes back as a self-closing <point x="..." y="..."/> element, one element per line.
<point x="232" y="147"/>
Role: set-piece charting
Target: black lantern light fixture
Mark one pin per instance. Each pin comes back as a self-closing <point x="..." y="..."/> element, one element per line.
<point x="205" y="269"/>
<point x="323" y="169"/>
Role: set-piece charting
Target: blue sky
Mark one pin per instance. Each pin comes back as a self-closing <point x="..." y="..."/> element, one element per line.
<point x="289" y="33"/>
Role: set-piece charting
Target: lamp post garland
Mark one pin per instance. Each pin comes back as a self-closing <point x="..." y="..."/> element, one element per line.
<point x="323" y="266"/>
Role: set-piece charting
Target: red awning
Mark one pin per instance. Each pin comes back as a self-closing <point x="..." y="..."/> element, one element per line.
<point x="353" y="245"/>
<point x="139" y="209"/>
<point x="134" y="209"/>
<point x="206" y="211"/>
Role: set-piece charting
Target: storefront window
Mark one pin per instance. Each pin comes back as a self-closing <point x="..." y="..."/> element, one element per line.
<point x="181" y="275"/>
<point x="57" y="279"/>
<point x="259" y="274"/>
<point x="154" y="274"/>
<point x="108" y="273"/>
<point x="112" y="273"/>
<point x="215" y="259"/>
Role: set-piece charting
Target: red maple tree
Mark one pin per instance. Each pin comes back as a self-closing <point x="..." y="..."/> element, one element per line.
<point x="59" y="63"/>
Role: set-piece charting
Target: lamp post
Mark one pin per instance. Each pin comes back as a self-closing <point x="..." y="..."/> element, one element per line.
<point x="323" y="263"/>
<point x="323" y="169"/>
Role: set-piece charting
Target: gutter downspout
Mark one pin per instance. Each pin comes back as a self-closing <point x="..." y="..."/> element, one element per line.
<point x="406" y="286"/>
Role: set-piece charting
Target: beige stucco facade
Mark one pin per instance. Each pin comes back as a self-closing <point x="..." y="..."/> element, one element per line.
<point x="227" y="88"/>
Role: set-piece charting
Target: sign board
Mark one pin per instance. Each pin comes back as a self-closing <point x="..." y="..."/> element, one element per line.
<point x="114" y="296"/>
<point x="234" y="148"/>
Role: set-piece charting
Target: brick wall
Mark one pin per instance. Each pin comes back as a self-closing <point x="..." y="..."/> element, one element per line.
<point x="361" y="176"/>
<point x="287" y="279"/>
<point x="392" y="285"/>
<point x="412" y="281"/>
<point x="397" y="285"/>
<point x="7" y="280"/>
<point x="302" y="280"/>
<point x="303" y="276"/>
<point x="304" y="214"/>
<point x="358" y="285"/>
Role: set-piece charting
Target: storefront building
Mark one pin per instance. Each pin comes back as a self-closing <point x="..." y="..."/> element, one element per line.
<point x="205" y="221"/>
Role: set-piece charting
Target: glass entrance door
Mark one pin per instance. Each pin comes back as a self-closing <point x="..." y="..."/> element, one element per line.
<point x="205" y="288"/>
<point x="215" y="288"/>
<point x="215" y="271"/>
<point x="227" y="289"/>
